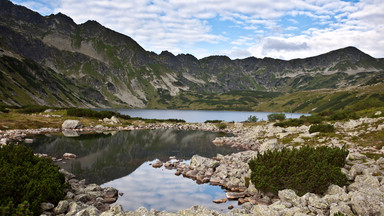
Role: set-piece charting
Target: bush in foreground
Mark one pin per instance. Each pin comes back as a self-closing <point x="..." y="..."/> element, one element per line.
<point x="323" y="128"/>
<point x="27" y="180"/>
<point x="302" y="170"/>
<point x="276" y="116"/>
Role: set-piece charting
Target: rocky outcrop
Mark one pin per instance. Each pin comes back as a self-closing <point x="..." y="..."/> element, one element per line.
<point x="71" y="124"/>
<point x="82" y="199"/>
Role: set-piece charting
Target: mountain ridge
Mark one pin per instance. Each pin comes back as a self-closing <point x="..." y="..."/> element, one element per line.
<point x="105" y="68"/>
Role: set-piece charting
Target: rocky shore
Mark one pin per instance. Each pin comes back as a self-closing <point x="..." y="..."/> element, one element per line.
<point x="364" y="196"/>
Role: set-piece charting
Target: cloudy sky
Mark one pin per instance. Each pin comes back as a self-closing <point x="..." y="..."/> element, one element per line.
<point x="284" y="29"/>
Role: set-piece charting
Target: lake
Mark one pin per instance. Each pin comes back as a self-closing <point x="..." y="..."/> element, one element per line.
<point x="199" y="116"/>
<point x="121" y="159"/>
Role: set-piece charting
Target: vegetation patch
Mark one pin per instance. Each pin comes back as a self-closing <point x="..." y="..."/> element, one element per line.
<point x="276" y="116"/>
<point x="303" y="170"/>
<point x="94" y="114"/>
<point x="28" y="180"/>
<point x="322" y="128"/>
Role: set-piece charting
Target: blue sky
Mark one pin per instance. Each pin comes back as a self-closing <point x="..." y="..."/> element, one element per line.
<point x="284" y="29"/>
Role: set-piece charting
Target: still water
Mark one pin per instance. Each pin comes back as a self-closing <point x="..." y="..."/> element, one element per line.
<point x="199" y="116"/>
<point x="122" y="160"/>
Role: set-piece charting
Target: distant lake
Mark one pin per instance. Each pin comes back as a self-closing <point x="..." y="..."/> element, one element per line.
<point x="200" y="116"/>
<point x="121" y="159"/>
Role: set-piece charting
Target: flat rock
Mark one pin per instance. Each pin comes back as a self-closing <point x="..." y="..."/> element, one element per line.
<point x="71" y="124"/>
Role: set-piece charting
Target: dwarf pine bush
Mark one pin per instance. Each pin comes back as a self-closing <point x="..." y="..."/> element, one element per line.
<point x="323" y="128"/>
<point x="303" y="170"/>
<point x="27" y="181"/>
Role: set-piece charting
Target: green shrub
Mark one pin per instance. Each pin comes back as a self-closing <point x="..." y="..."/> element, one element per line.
<point x="290" y="123"/>
<point x="213" y="121"/>
<point x="276" y="116"/>
<point x="343" y="115"/>
<point x="222" y="126"/>
<point x="302" y="170"/>
<point x="323" y="128"/>
<point x="252" y="118"/>
<point x="313" y="119"/>
<point x="27" y="178"/>
<point x="21" y="209"/>
<point x="3" y="109"/>
<point x="79" y="112"/>
<point x="32" y="109"/>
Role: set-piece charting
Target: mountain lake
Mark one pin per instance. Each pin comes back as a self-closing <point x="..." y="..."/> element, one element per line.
<point x="122" y="159"/>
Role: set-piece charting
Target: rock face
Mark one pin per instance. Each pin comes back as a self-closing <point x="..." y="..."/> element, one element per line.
<point x="71" y="124"/>
<point x="213" y="73"/>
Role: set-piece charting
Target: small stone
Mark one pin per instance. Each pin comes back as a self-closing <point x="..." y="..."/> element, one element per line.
<point x="157" y="164"/>
<point x="28" y="140"/>
<point x="234" y="195"/>
<point x="69" y="156"/>
<point x="46" y="206"/>
<point x="220" y="200"/>
<point x="230" y="207"/>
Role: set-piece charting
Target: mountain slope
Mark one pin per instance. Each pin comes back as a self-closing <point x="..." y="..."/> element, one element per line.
<point x="100" y="67"/>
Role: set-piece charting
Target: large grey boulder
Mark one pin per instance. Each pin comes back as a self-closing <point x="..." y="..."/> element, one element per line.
<point x="269" y="145"/>
<point x="202" y="163"/>
<point x="61" y="207"/>
<point x="71" y="124"/>
<point x="116" y="210"/>
<point x="289" y="196"/>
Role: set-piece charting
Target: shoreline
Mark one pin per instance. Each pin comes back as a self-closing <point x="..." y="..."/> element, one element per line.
<point x="359" y="167"/>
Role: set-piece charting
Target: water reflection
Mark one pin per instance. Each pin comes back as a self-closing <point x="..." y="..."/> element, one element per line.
<point x="105" y="157"/>
<point x="160" y="189"/>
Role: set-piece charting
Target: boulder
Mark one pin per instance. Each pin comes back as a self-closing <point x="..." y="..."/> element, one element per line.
<point x="290" y="196"/>
<point x="61" y="207"/>
<point x="262" y="210"/>
<point x="340" y="208"/>
<point x="46" y="206"/>
<point x="202" y="163"/>
<point x="73" y="208"/>
<point x="220" y="200"/>
<point x="366" y="203"/>
<point x="235" y="195"/>
<point x="116" y="210"/>
<point x="269" y="145"/>
<point x="157" y="164"/>
<point x="71" y="124"/>
<point x="356" y="156"/>
<point x="69" y="156"/>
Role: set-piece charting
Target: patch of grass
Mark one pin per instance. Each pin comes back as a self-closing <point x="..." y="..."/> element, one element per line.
<point x="322" y="128"/>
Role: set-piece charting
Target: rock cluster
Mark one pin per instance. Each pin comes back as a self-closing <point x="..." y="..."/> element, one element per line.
<point x="82" y="199"/>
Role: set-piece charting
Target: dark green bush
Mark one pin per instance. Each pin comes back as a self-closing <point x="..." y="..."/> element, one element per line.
<point x="276" y="116"/>
<point x="222" y="126"/>
<point x="11" y="210"/>
<point x="290" y="123"/>
<point x="79" y="112"/>
<point x="323" y="128"/>
<point x="27" y="178"/>
<point x="252" y="118"/>
<point x="32" y="109"/>
<point x="312" y="119"/>
<point x="343" y="115"/>
<point x="213" y="121"/>
<point x="302" y="170"/>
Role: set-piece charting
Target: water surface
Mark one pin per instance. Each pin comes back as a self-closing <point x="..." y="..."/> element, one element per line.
<point x="121" y="160"/>
<point x="199" y="116"/>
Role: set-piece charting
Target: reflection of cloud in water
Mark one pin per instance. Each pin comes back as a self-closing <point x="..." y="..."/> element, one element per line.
<point x="160" y="189"/>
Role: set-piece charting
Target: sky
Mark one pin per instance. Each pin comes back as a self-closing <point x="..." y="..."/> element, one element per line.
<point x="284" y="29"/>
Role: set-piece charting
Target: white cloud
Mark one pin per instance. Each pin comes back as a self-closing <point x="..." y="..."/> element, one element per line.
<point x="181" y="25"/>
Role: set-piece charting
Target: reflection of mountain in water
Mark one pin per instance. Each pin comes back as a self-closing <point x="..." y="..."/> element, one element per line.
<point x="102" y="158"/>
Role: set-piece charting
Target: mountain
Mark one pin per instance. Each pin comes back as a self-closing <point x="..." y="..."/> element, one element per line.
<point x="50" y="60"/>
